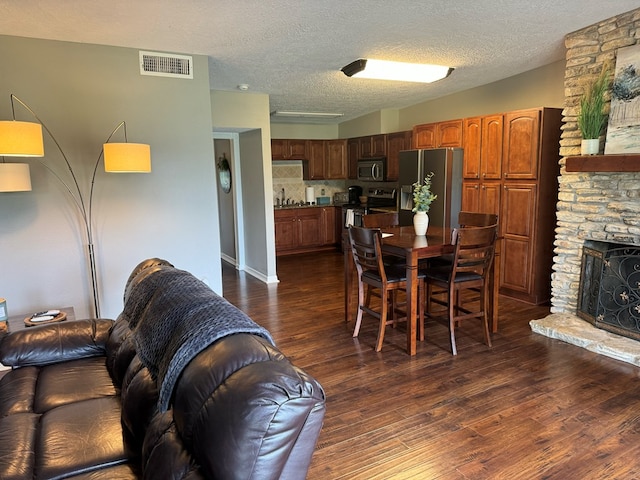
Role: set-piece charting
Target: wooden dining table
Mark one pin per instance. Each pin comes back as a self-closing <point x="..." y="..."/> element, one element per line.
<point x="403" y="242"/>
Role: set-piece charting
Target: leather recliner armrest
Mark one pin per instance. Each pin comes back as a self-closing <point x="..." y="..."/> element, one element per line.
<point x="54" y="343"/>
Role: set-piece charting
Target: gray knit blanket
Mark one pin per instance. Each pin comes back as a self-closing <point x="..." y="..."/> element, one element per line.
<point x="174" y="316"/>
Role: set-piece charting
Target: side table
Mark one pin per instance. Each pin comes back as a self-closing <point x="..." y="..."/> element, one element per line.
<point x="16" y="322"/>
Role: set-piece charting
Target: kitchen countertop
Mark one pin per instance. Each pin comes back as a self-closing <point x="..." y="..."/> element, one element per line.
<point x="356" y="205"/>
<point x="289" y="207"/>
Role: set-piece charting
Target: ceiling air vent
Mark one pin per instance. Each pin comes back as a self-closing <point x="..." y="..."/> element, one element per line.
<point x="166" y="65"/>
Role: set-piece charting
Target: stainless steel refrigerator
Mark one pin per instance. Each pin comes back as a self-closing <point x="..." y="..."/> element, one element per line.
<point x="446" y="183"/>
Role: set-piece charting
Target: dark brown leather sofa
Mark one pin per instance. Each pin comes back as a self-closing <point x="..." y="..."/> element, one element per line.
<point x="142" y="398"/>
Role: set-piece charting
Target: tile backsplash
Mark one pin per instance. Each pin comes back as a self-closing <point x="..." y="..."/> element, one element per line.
<point x="288" y="175"/>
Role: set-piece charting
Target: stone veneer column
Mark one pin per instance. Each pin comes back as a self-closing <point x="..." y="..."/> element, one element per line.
<point x="591" y="206"/>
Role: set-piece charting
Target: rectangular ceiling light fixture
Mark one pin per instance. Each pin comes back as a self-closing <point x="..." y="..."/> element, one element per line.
<point x="386" y="70"/>
<point x="280" y="113"/>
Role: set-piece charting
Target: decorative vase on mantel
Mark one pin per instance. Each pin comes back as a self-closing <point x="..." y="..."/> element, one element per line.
<point x="590" y="146"/>
<point x="421" y="223"/>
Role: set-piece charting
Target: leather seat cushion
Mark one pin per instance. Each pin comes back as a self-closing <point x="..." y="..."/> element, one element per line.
<point x="395" y="273"/>
<point x="80" y="437"/>
<point x="443" y="275"/>
<point x="119" y="472"/>
<point x="72" y="381"/>
<point x="17" y="436"/>
<point x="17" y="390"/>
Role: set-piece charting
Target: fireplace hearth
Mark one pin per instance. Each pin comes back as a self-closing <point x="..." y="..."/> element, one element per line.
<point x="609" y="291"/>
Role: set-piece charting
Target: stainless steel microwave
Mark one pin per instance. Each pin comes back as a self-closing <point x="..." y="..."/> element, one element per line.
<point x="372" y="169"/>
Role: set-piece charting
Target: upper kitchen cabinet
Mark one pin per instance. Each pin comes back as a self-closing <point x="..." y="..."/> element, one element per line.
<point x="379" y="145"/>
<point x="437" y="135"/>
<point x="335" y="159"/>
<point x="327" y="160"/>
<point x="283" y="149"/>
<point x="521" y="144"/>
<point x="353" y="154"/>
<point x="396" y="142"/>
<point x="315" y="167"/>
<point x="364" y="147"/>
<point x="483" y="148"/>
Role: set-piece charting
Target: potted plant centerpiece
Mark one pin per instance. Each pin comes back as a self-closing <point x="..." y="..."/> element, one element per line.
<point x="422" y="199"/>
<point x="592" y="117"/>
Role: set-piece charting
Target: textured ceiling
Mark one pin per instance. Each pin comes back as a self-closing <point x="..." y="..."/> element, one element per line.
<point x="293" y="49"/>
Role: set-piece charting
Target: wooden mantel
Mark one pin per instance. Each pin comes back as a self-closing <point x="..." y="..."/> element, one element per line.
<point x="603" y="163"/>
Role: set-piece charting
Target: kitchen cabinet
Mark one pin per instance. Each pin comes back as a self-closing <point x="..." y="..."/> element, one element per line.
<point x="530" y="170"/>
<point x="518" y="221"/>
<point x="284" y="149"/>
<point x="437" y="135"/>
<point x="481" y="171"/>
<point x="314" y="168"/>
<point x="327" y="160"/>
<point x="481" y="196"/>
<point x="363" y="147"/>
<point x="335" y="159"/>
<point x="483" y="148"/>
<point x="521" y="144"/>
<point x="511" y="165"/>
<point x="396" y="142"/>
<point x="286" y="229"/>
<point x="379" y="145"/>
<point x="309" y="229"/>
<point x="329" y="226"/>
<point x="353" y="153"/>
<point x="366" y="147"/>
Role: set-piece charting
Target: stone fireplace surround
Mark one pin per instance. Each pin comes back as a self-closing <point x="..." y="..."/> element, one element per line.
<point x="600" y="206"/>
<point x="593" y="205"/>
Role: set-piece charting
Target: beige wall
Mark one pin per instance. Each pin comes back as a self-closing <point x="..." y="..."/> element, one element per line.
<point x="542" y="87"/>
<point x="305" y="131"/>
<point x="248" y="114"/>
<point x="82" y="92"/>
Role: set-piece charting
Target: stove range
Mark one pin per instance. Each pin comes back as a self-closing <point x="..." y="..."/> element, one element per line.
<point x="381" y="197"/>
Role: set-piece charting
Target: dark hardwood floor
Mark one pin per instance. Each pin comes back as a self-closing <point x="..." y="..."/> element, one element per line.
<point x="530" y="407"/>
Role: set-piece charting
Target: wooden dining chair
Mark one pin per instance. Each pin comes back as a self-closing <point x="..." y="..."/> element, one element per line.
<point x="466" y="219"/>
<point x="372" y="272"/>
<point x="472" y="261"/>
<point x="477" y="219"/>
<point x="380" y="220"/>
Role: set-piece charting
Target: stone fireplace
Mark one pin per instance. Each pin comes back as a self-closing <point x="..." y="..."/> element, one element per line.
<point x="592" y="206"/>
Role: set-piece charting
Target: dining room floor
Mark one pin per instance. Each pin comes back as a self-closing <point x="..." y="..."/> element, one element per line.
<point x="528" y="407"/>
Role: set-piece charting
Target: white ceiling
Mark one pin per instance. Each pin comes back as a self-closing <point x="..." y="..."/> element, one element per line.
<point x="293" y="49"/>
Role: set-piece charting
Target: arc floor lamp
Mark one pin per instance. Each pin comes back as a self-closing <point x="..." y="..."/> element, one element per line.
<point x="25" y="139"/>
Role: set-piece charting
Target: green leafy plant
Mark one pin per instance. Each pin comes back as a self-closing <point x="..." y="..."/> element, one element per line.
<point x="422" y="195"/>
<point x="592" y="117"/>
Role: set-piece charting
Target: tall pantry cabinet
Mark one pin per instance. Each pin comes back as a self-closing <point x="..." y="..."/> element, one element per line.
<point x="511" y="168"/>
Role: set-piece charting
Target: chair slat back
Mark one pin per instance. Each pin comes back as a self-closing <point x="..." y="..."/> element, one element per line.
<point x="366" y="248"/>
<point x="380" y="220"/>
<point x="474" y="219"/>
<point x="475" y="248"/>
